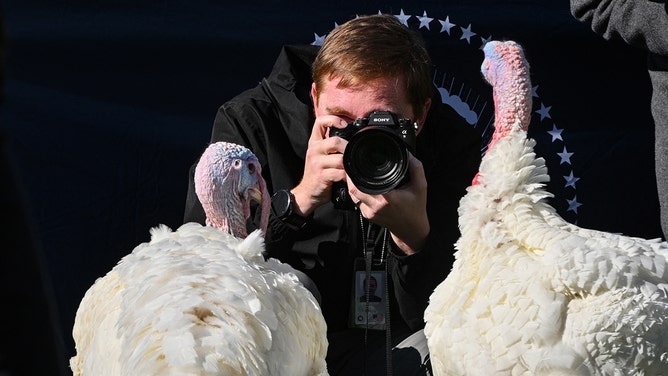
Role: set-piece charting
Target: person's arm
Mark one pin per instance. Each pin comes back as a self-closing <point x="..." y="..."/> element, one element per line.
<point x="641" y="23"/>
<point x="416" y="276"/>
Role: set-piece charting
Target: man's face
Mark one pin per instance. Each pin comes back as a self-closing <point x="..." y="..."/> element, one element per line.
<point x="372" y="286"/>
<point x="383" y="94"/>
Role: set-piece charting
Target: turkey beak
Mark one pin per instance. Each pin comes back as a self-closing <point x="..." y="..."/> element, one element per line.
<point x="255" y="194"/>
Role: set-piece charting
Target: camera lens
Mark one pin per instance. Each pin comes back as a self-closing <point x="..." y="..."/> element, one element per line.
<point x="376" y="160"/>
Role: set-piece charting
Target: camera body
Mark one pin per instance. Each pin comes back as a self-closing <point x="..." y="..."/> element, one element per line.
<point x="376" y="157"/>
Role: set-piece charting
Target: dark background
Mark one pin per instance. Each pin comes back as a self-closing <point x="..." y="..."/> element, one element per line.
<point x="107" y="104"/>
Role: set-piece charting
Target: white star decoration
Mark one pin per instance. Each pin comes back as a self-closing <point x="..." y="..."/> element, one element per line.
<point x="544" y="112"/>
<point x="555" y="133"/>
<point x="424" y="20"/>
<point x="573" y="204"/>
<point x="318" y="40"/>
<point x="403" y="17"/>
<point x="446" y="25"/>
<point x="467" y="33"/>
<point x="485" y="41"/>
<point x="570" y="180"/>
<point x="565" y="156"/>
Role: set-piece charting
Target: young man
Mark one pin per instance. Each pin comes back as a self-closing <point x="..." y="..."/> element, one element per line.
<point x="372" y="63"/>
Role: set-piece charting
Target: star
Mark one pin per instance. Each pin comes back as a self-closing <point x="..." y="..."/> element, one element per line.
<point x="403" y="17"/>
<point x="485" y="41"/>
<point x="570" y="180"/>
<point x="534" y="91"/>
<point x="467" y="33"/>
<point x="555" y="133"/>
<point x="565" y="156"/>
<point x="573" y="204"/>
<point x="318" y="40"/>
<point x="544" y="112"/>
<point x="446" y="25"/>
<point x="424" y="20"/>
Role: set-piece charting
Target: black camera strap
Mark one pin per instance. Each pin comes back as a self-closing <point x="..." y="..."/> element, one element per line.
<point x="369" y="237"/>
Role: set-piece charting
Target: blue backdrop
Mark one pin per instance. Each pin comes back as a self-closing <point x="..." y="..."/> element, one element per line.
<point x="108" y="103"/>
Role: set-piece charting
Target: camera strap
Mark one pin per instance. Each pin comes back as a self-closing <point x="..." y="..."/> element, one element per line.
<point x="368" y="246"/>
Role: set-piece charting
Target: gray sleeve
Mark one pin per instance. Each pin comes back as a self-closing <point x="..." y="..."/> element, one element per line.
<point x="640" y="23"/>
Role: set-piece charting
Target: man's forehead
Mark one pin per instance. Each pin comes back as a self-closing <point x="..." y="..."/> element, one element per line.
<point x="387" y="94"/>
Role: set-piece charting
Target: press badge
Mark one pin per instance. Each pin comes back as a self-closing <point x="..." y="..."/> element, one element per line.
<point x="368" y="299"/>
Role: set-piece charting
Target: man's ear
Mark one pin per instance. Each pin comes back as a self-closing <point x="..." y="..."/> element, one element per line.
<point x="314" y="95"/>
<point x="423" y="115"/>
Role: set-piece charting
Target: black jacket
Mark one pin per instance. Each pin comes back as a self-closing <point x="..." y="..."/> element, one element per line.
<point x="275" y="119"/>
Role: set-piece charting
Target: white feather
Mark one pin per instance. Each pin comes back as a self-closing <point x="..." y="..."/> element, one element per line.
<point x="530" y="294"/>
<point x="198" y="301"/>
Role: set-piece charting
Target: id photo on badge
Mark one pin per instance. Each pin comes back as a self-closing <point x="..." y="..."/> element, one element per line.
<point x="375" y="287"/>
<point x="375" y="311"/>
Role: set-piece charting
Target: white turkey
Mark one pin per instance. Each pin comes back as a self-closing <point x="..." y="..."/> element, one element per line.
<point x="202" y="300"/>
<point x="529" y="293"/>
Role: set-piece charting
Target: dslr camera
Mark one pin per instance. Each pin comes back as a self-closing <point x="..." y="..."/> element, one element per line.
<point x="376" y="157"/>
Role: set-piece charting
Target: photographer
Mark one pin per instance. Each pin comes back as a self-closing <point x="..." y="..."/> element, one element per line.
<point x="371" y="63"/>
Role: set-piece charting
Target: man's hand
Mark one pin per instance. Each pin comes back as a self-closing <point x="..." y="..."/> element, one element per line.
<point x="403" y="210"/>
<point x="323" y="166"/>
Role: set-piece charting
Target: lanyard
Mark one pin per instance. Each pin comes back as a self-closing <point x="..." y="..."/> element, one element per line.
<point x="368" y="245"/>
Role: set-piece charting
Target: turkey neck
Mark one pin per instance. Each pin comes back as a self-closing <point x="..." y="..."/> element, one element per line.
<point x="512" y="97"/>
<point x="231" y="221"/>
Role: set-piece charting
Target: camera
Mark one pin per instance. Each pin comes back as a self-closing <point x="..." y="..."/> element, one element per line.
<point x="376" y="157"/>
